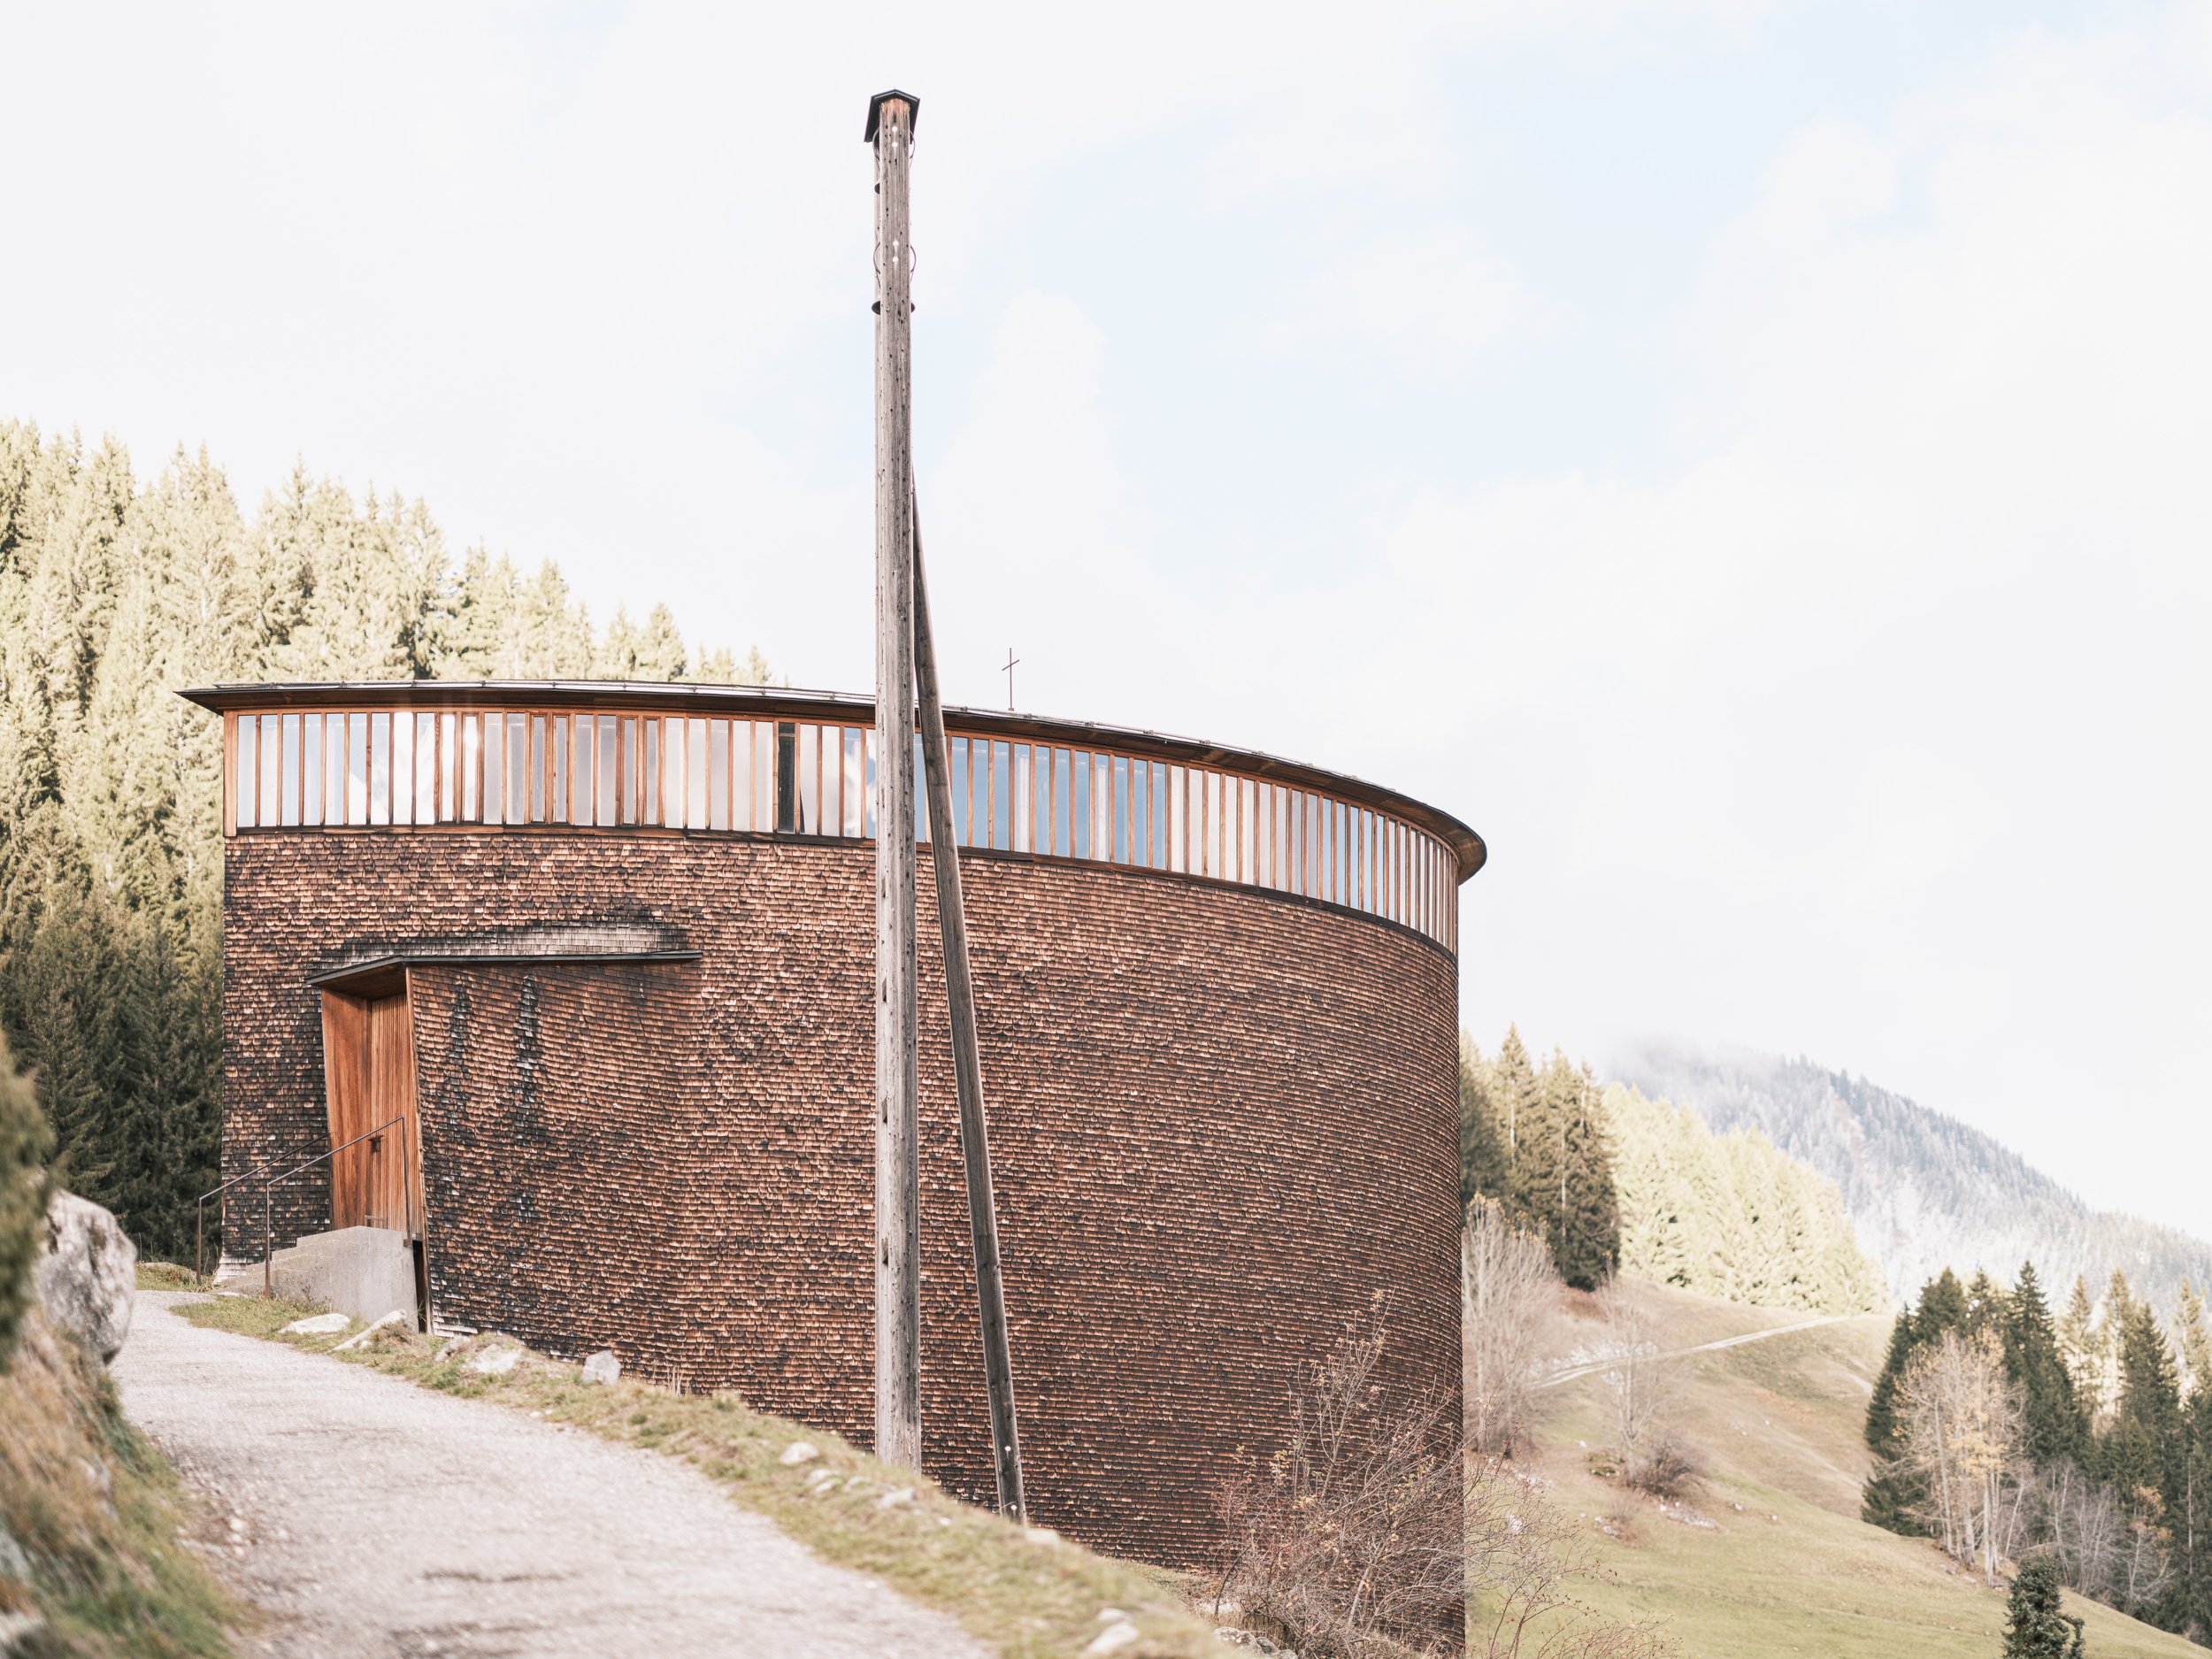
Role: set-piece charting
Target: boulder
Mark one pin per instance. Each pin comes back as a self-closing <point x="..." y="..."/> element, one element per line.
<point x="86" y="1276"/>
<point x="602" y="1367"/>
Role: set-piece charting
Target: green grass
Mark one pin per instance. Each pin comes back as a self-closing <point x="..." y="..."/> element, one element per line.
<point x="1787" y="1566"/>
<point x="1021" y="1594"/>
<point x="98" y="1514"/>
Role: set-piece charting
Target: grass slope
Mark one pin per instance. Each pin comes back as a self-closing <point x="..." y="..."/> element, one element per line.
<point x="1024" y="1594"/>
<point x="91" y="1562"/>
<point x="1786" y="1566"/>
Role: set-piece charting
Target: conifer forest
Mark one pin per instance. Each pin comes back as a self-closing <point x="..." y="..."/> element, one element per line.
<point x="116" y="591"/>
<point x="2005" y="1427"/>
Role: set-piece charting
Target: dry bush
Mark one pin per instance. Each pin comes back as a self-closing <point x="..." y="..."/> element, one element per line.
<point x="1507" y="1288"/>
<point x="1349" y="1539"/>
<point x="1371" y="1533"/>
<point x="1652" y="1455"/>
<point x="1524" y="1559"/>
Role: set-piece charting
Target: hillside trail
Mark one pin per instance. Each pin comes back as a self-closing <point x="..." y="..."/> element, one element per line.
<point x="1590" y="1367"/>
<point x="373" y="1519"/>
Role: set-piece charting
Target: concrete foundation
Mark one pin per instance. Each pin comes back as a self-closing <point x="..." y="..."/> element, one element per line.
<point x="365" y="1271"/>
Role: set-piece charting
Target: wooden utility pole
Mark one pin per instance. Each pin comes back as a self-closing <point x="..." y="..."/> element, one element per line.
<point x="967" y="1062"/>
<point x="898" y="1126"/>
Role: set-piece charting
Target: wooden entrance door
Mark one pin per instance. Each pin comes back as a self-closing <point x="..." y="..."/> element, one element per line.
<point x="369" y="1078"/>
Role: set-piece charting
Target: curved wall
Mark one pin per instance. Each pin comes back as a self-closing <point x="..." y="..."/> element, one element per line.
<point x="1223" y="1121"/>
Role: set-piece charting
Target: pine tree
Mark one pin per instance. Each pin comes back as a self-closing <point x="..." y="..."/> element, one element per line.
<point x="1484" y="1168"/>
<point x="2057" y="1427"/>
<point x="2037" y="1624"/>
<point x="1575" y="1200"/>
<point x="1892" y="1497"/>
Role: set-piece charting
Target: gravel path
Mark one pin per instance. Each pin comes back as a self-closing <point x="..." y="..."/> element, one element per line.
<point x="1590" y="1367"/>
<point x="377" y="1519"/>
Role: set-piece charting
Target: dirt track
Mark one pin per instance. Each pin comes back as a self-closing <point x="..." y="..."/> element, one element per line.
<point x="381" y="1519"/>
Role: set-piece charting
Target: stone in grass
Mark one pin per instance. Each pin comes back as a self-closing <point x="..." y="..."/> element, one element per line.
<point x="798" y="1452"/>
<point x="1113" y="1638"/>
<point x="495" y="1362"/>
<point x="602" y="1367"/>
<point x="319" y="1324"/>
<point x="896" y="1500"/>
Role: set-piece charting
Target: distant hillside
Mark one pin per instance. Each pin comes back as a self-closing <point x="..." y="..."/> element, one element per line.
<point x="1769" y="1557"/>
<point x="1923" y="1190"/>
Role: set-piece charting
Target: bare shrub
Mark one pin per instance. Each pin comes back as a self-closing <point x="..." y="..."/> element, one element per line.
<point x="1349" y="1538"/>
<point x="1648" y="1446"/>
<point x="1525" y="1560"/>
<point x="1507" y="1288"/>
<point x="1371" y="1533"/>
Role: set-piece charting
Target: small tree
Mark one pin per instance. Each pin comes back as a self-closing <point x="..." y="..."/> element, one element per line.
<point x="1371" y="1533"/>
<point x="1961" y="1421"/>
<point x="1653" y="1456"/>
<point x="1505" y="1289"/>
<point x="23" y="1142"/>
<point x="2036" y="1625"/>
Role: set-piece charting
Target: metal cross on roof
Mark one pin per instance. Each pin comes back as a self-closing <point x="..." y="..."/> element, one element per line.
<point x="1009" y="672"/>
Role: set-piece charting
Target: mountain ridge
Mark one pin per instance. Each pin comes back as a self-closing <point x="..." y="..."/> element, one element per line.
<point x="1924" y="1190"/>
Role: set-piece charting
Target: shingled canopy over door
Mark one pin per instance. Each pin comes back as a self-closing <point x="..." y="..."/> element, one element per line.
<point x="369" y="1081"/>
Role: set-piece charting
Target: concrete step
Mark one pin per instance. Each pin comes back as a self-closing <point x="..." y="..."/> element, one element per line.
<point x="365" y="1271"/>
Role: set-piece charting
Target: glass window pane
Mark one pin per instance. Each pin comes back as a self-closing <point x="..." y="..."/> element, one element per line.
<point x="698" y="776"/>
<point x="379" y="726"/>
<point x="650" y="802"/>
<point x="629" y="769"/>
<point x="869" y="782"/>
<point x="767" y="763"/>
<point x="808" y="780"/>
<point x="402" y="767"/>
<point x="1155" y="823"/>
<point x="607" y="771"/>
<point x="1023" y="794"/>
<point x="1101" y="808"/>
<point x="1065" y="804"/>
<point x="357" y="768"/>
<point x="1078" y="801"/>
<point x="719" y="794"/>
<point x="1121" y="812"/>
<point x="580" y="769"/>
<point x="856" y="791"/>
<point x="527" y="739"/>
<point x="425" y="769"/>
<point x="246" y="788"/>
<point x="1262" y="834"/>
<point x="269" y="755"/>
<point x="312" y="769"/>
<point x="1178" y="829"/>
<point x="1001" y="794"/>
<point x="1247" y="861"/>
<point x="288" y="771"/>
<point x="956" y="780"/>
<point x="494" y="753"/>
<point x="516" y="769"/>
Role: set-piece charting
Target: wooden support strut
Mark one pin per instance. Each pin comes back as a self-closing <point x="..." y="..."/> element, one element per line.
<point x="975" y="1146"/>
<point x="898" y="1245"/>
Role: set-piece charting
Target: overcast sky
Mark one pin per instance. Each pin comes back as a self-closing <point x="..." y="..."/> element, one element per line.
<point x="1750" y="461"/>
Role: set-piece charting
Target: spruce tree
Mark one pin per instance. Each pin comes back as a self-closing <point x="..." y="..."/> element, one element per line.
<point x="2037" y="1624"/>
<point x="1483" y="1166"/>
<point x="2056" y="1426"/>
<point x="1893" y="1496"/>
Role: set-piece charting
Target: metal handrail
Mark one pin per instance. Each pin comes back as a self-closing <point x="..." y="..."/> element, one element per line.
<point x="199" y="1220"/>
<point x="270" y="1182"/>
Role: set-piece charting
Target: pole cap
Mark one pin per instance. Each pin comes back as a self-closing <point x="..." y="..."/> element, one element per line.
<point x="875" y="112"/>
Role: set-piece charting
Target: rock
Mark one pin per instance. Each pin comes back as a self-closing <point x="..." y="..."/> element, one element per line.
<point x="896" y="1500"/>
<point x="495" y="1362"/>
<point x="602" y="1367"/>
<point x="88" y="1275"/>
<point x="319" y="1324"/>
<point x="798" y="1452"/>
<point x="393" y="1317"/>
<point x="1040" y="1535"/>
<point x="13" y="1562"/>
<point x="1237" y="1636"/>
<point x="1113" y="1638"/>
